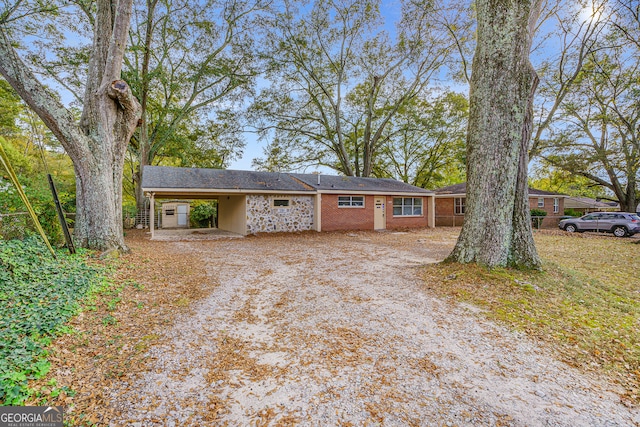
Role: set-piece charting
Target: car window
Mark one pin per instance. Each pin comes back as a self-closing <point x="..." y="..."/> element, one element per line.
<point x="636" y="217"/>
<point x="590" y="217"/>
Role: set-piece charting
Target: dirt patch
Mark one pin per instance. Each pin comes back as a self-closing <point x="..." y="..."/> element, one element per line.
<point x="334" y="329"/>
<point x="310" y="329"/>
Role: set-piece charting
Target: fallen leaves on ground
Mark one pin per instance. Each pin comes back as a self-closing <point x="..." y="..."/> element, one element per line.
<point x="585" y="304"/>
<point x="152" y="284"/>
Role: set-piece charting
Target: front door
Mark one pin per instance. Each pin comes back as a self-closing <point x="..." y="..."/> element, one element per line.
<point x="379" y="215"/>
<point x="182" y="215"/>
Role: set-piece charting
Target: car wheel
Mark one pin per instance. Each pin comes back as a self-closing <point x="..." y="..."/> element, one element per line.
<point x="620" y="231"/>
<point x="571" y="228"/>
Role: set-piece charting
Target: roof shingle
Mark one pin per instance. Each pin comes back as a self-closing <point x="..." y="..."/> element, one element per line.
<point x="165" y="177"/>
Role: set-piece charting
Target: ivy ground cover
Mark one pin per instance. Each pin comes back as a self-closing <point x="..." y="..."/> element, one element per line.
<point x="38" y="295"/>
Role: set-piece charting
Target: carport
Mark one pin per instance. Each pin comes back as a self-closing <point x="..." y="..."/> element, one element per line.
<point x="231" y="207"/>
<point x="230" y="188"/>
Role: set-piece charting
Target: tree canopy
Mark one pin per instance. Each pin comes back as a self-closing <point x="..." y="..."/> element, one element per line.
<point x="338" y="81"/>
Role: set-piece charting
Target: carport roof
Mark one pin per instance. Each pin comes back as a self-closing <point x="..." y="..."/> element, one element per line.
<point x="165" y="178"/>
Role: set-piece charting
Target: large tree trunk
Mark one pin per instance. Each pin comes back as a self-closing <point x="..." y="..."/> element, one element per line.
<point x="99" y="214"/>
<point x="142" y="162"/>
<point x="497" y="226"/>
<point x="97" y="144"/>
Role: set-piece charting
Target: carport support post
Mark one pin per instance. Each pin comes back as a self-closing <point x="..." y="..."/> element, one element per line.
<point x="152" y="213"/>
<point x="431" y="212"/>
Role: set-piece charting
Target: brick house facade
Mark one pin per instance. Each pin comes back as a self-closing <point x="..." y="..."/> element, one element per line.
<point x="552" y="204"/>
<point x="450" y="206"/>
<point x="255" y="202"/>
<point x="335" y="217"/>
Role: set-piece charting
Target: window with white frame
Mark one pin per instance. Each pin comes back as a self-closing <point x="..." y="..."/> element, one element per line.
<point x="556" y="205"/>
<point x="541" y="202"/>
<point x="407" y="206"/>
<point x="458" y="205"/>
<point x="350" y="201"/>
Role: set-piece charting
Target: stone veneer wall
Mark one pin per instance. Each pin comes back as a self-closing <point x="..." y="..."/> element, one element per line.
<point x="262" y="217"/>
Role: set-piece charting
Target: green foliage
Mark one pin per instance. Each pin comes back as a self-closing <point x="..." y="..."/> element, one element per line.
<point x="572" y="212"/>
<point x="547" y="178"/>
<point x="10" y="108"/>
<point x="36" y="187"/>
<point x="20" y="163"/>
<point x="203" y="213"/>
<point x="38" y="295"/>
<point x="538" y="212"/>
<point x="340" y="94"/>
<point x="537" y="217"/>
<point x="184" y="80"/>
<point x="596" y="128"/>
<point x="427" y="148"/>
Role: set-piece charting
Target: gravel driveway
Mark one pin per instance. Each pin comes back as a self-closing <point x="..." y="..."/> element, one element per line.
<point x="335" y="330"/>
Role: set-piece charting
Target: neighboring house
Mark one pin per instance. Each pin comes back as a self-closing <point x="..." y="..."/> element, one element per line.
<point x="585" y="205"/>
<point x="255" y="202"/>
<point x="451" y="203"/>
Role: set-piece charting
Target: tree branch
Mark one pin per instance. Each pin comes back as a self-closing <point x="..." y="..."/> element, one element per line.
<point x="57" y="118"/>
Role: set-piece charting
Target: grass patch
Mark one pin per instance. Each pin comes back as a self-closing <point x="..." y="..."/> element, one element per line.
<point x="585" y="303"/>
<point x="38" y="295"/>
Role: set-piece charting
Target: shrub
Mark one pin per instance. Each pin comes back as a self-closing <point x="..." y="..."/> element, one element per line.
<point x="572" y="212"/>
<point x="203" y="213"/>
<point x="37" y="190"/>
<point x="537" y="217"/>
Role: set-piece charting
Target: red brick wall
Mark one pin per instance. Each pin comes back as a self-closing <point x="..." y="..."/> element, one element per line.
<point x="552" y="219"/>
<point x="445" y="213"/>
<point x="335" y="218"/>
<point x="446" y="218"/>
<point x="394" y="222"/>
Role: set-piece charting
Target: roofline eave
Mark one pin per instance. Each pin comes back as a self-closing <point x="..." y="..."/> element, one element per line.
<point x="377" y="193"/>
<point x="187" y="191"/>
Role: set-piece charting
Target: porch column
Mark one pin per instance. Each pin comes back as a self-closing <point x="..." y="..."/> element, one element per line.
<point x="431" y="219"/>
<point x="317" y="215"/>
<point x="152" y="212"/>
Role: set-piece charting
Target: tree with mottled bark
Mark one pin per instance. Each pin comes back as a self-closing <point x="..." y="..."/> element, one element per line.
<point x="97" y="142"/>
<point x="497" y="227"/>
